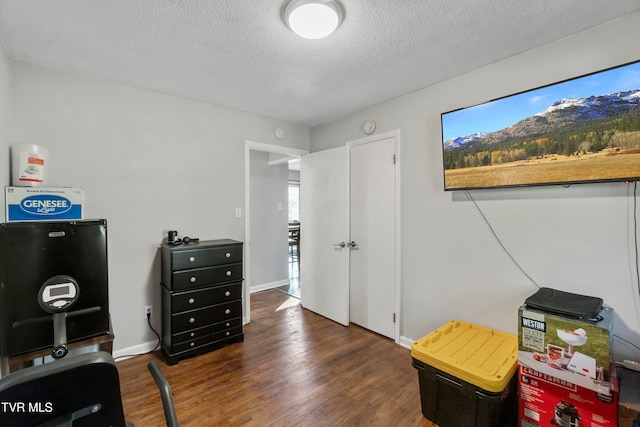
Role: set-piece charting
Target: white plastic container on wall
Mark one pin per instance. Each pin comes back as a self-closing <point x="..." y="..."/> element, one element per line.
<point x="29" y="164"/>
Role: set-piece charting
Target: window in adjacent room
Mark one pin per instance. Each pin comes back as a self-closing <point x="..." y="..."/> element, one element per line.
<point x="294" y="201"/>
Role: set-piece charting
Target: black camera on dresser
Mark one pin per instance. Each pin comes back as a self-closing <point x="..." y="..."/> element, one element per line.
<point x="201" y="297"/>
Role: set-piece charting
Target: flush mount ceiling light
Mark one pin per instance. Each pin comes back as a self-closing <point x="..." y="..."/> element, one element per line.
<point x="313" y="19"/>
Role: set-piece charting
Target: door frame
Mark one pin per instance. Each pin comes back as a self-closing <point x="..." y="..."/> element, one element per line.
<point x="395" y="134"/>
<point x="290" y="153"/>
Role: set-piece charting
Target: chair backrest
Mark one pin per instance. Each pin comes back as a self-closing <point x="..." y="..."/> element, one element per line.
<point x="165" y="393"/>
<point x="81" y="390"/>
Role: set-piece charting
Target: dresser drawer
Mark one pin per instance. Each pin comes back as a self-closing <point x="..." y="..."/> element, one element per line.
<point x="189" y="279"/>
<point x="204" y="257"/>
<point x="217" y="336"/>
<point x="192" y="334"/>
<point x="188" y="345"/>
<point x="205" y="316"/>
<point x="192" y="299"/>
<point x="205" y="331"/>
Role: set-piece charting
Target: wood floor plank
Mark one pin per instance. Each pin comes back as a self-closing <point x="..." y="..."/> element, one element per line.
<point x="295" y="368"/>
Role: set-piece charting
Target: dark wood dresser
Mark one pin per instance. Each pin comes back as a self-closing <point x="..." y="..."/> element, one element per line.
<point x="201" y="297"/>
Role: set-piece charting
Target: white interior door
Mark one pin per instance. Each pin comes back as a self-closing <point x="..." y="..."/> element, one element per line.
<point x="372" y="228"/>
<point x="324" y="233"/>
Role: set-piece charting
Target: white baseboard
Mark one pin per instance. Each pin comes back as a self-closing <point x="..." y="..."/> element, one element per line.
<point x="136" y="350"/>
<point x="266" y="286"/>
<point x="406" y="342"/>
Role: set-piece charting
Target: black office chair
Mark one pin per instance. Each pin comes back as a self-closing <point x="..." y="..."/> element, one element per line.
<point x="165" y="393"/>
<point x="77" y="391"/>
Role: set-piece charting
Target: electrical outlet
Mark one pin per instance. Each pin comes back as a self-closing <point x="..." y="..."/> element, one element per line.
<point x="148" y="311"/>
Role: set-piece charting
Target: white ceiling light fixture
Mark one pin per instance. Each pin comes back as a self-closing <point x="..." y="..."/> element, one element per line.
<point x="313" y="19"/>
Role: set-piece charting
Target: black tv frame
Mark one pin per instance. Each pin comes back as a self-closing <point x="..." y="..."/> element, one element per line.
<point x="471" y="177"/>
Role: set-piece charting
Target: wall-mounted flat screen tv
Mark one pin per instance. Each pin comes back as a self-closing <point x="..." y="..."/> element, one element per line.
<point x="586" y="129"/>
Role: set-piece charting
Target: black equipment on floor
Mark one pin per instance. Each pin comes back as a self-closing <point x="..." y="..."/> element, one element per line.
<point x="51" y="274"/>
<point x="32" y="254"/>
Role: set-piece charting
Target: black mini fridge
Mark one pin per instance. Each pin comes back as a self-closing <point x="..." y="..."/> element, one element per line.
<point x="31" y="253"/>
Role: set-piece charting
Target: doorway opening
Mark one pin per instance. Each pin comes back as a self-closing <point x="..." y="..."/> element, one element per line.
<point x="293" y="287"/>
<point x="266" y="250"/>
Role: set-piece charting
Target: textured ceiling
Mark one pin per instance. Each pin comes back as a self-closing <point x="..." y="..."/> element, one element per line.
<point x="238" y="54"/>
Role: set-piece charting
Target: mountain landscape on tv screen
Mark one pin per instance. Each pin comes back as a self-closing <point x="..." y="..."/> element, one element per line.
<point x="568" y="127"/>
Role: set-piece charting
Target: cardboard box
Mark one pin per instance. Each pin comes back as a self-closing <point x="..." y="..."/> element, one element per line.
<point x="575" y="351"/>
<point x="43" y="204"/>
<point x="547" y="401"/>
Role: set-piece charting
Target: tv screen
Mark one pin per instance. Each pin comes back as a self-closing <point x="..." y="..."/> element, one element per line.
<point x="585" y="129"/>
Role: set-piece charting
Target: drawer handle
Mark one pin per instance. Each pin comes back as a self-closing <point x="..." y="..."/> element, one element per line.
<point x="226" y="294"/>
<point x="192" y="344"/>
<point x="193" y="279"/>
<point x="227" y="311"/>
<point x="193" y="334"/>
<point x="228" y="333"/>
<point x="191" y="300"/>
<point x="192" y="259"/>
<point x="228" y="324"/>
<point x="228" y="273"/>
<point x="228" y="255"/>
<point x="192" y="320"/>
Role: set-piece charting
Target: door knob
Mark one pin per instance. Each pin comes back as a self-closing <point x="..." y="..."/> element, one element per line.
<point x="340" y="245"/>
<point x="353" y="244"/>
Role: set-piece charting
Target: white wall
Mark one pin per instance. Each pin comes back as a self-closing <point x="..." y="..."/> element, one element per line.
<point x="151" y="162"/>
<point x="577" y="239"/>
<point x="6" y="115"/>
<point x="148" y="163"/>
<point x="269" y="231"/>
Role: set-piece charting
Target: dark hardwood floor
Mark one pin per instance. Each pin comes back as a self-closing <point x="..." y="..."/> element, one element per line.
<point x="295" y="368"/>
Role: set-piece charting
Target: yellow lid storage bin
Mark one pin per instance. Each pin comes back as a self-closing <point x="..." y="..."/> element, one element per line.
<point x="466" y="374"/>
<point x="480" y="356"/>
